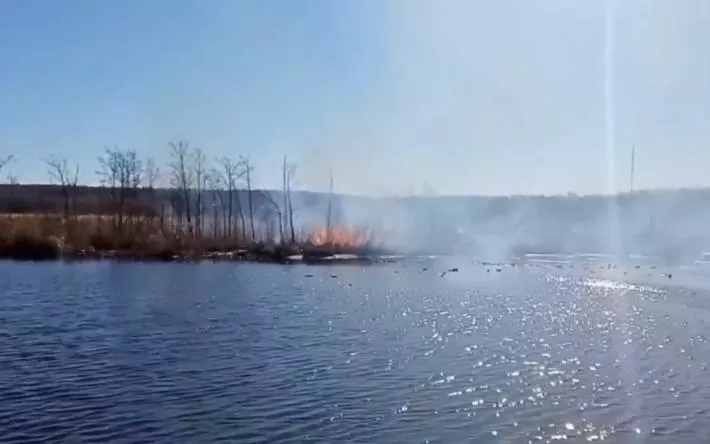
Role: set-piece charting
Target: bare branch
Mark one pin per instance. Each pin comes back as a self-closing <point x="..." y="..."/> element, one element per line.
<point x="289" y="171"/>
<point x="6" y="160"/>
<point x="151" y="171"/>
<point x="59" y="171"/>
<point x="247" y="169"/>
<point x="182" y="178"/>
<point x="270" y="200"/>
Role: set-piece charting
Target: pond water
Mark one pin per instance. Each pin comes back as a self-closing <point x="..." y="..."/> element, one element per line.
<point x="239" y="352"/>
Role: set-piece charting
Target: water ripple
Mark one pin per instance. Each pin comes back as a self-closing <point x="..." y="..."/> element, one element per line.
<point x="255" y="353"/>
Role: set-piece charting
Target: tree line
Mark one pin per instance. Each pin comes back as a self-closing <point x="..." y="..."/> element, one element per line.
<point x="199" y="198"/>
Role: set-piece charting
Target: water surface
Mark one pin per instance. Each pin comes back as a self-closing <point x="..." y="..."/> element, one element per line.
<point x="110" y="352"/>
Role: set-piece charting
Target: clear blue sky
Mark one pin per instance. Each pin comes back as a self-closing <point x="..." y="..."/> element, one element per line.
<point x="506" y="96"/>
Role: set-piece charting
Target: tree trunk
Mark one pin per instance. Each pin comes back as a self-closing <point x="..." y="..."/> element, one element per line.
<point x="251" y="205"/>
<point x="290" y="215"/>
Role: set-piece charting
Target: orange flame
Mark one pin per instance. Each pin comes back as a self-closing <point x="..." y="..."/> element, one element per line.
<point x="339" y="235"/>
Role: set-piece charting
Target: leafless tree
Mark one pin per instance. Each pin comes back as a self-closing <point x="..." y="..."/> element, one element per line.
<point x="329" y="211"/>
<point x="284" y="195"/>
<point x="182" y="178"/>
<point x="132" y="171"/>
<point x="288" y="172"/>
<point x="248" y="168"/>
<point x="231" y="172"/>
<point x="109" y="176"/>
<point x="59" y="171"/>
<point x="151" y="175"/>
<point x="4" y="161"/>
<point x="121" y="171"/>
<point x="11" y="178"/>
<point x="217" y="184"/>
<point x="275" y="206"/>
<point x="15" y="183"/>
<point x="200" y="171"/>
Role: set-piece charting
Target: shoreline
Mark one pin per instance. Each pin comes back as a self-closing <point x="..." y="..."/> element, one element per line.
<point x="90" y="237"/>
<point x="51" y="250"/>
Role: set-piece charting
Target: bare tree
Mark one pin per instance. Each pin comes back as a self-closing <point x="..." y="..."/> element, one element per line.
<point x="275" y="206"/>
<point x="217" y="185"/>
<point x="291" y="174"/>
<point x="289" y="171"/>
<point x="151" y="174"/>
<point x="4" y="161"/>
<point x="132" y="170"/>
<point x="11" y="178"/>
<point x="14" y="182"/>
<point x="284" y="192"/>
<point x="182" y="179"/>
<point x="329" y="211"/>
<point x="109" y="176"/>
<point x="200" y="172"/>
<point x="231" y="172"/>
<point x="59" y="171"/>
<point x="121" y="171"/>
<point x="248" y="168"/>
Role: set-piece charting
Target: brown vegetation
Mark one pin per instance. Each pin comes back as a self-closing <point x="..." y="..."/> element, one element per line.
<point x="51" y="236"/>
<point x="201" y="214"/>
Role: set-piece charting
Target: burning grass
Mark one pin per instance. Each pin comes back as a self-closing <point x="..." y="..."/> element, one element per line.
<point x="341" y="236"/>
<point x="341" y="240"/>
<point x="51" y="236"/>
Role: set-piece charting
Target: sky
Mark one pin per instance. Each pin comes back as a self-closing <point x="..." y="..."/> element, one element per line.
<point x="394" y="96"/>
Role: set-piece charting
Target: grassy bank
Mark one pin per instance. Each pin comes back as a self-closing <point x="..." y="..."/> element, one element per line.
<point x="89" y="237"/>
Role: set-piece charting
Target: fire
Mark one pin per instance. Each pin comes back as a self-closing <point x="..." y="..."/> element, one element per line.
<point x="339" y="235"/>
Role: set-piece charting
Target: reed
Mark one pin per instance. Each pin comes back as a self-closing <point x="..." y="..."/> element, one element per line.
<point x="51" y="236"/>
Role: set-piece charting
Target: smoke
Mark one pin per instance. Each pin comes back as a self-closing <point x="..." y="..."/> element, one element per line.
<point x="668" y="224"/>
<point x="537" y="98"/>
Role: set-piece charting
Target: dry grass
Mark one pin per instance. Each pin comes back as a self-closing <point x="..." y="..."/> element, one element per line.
<point x="53" y="235"/>
<point x="49" y="236"/>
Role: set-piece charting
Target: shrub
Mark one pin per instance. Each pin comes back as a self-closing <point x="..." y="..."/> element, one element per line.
<point x="26" y="247"/>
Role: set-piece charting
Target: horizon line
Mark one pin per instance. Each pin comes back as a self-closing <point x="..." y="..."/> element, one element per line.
<point x="569" y="194"/>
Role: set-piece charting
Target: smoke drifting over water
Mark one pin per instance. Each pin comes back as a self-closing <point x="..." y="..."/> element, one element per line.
<point x="533" y="98"/>
<point x="670" y="224"/>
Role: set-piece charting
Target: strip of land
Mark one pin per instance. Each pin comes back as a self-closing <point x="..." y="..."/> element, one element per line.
<point x="49" y="236"/>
